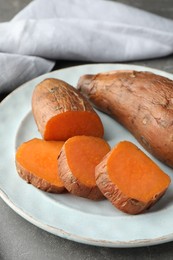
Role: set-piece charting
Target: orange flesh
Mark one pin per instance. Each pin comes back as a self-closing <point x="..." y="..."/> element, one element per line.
<point x="72" y="123"/>
<point x="39" y="157"/>
<point x="83" y="153"/>
<point x="135" y="174"/>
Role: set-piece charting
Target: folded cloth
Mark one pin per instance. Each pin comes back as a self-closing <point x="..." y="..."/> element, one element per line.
<point x="99" y="30"/>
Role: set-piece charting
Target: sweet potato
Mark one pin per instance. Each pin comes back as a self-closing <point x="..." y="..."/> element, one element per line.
<point x="141" y="101"/>
<point x="76" y="165"/>
<point x="36" y="163"/>
<point x="129" y="179"/>
<point x="61" y="112"/>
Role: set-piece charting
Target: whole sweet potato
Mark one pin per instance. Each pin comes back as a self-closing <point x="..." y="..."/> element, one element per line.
<point x="141" y="101"/>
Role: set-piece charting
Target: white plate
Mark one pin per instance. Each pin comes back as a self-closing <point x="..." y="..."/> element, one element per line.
<point x="74" y="218"/>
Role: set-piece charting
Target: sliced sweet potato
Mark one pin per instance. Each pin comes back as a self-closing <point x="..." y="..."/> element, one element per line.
<point x="130" y="180"/>
<point x="61" y="112"/>
<point x="36" y="163"/>
<point x="141" y="101"/>
<point x="76" y="165"/>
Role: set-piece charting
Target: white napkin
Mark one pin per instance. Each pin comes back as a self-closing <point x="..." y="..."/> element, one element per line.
<point x="88" y="30"/>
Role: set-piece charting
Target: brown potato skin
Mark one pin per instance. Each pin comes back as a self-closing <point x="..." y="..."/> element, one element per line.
<point x="72" y="184"/>
<point x="39" y="183"/>
<point x="115" y="195"/>
<point x="141" y="101"/>
<point x="52" y="97"/>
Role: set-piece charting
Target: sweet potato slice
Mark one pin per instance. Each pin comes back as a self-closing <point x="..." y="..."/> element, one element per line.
<point x="36" y="163"/>
<point x="61" y="112"/>
<point x="76" y="165"/>
<point x="141" y="101"/>
<point x="130" y="180"/>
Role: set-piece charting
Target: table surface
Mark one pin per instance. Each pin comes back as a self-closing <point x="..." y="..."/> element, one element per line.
<point x="19" y="239"/>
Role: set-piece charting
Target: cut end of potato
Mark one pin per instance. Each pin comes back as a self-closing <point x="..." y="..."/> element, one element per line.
<point x="73" y="123"/>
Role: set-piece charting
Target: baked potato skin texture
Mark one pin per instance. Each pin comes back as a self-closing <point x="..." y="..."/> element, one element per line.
<point x="141" y="101"/>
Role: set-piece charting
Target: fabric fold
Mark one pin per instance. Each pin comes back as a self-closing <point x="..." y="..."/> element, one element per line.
<point x="96" y="31"/>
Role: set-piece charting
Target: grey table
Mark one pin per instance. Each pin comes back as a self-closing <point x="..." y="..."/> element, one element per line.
<point x="19" y="239"/>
